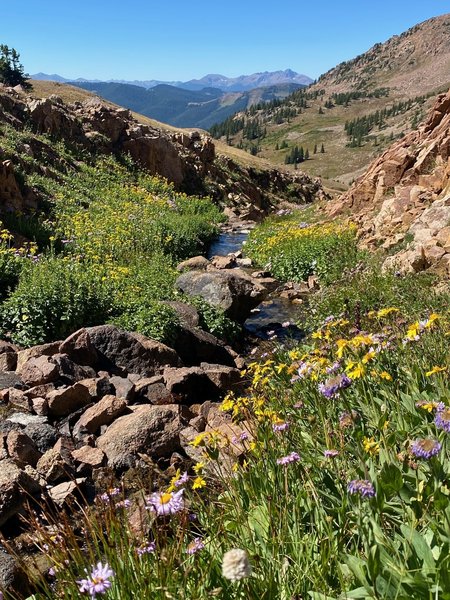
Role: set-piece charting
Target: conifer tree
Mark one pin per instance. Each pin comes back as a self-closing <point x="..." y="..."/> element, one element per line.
<point x="322" y="149"/>
<point x="11" y="71"/>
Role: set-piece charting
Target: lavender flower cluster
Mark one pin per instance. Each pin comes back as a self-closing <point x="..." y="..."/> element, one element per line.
<point x="331" y="387"/>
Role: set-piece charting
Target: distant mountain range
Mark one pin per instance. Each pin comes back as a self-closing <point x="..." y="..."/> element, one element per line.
<point x="242" y="83"/>
<point x="184" y="107"/>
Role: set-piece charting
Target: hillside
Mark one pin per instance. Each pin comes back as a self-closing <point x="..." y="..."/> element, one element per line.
<point x="400" y="77"/>
<point x="185" y="107"/>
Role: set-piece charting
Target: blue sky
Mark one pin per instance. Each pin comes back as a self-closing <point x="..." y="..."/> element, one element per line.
<point x="181" y="40"/>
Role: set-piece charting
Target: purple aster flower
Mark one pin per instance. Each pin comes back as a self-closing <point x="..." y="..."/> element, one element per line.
<point x="146" y="548"/>
<point x="330" y="453"/>
<point x="442" y="418"/>
<point x="332" y="386"/>
<point x="98" y="582"/>
<point x="332" y="369"/>
<point x="425" y="448"/>
<point x="166" y="503"/>
<point x="195" y="546"/>
<point x="184" y="478"/>
<point x="280" y="426"/>
<point x="123" y="504"/>
<point x="290" y="458"/>
<point x="363" y="487"/>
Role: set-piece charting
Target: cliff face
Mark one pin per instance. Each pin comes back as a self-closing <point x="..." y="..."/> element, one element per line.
<point x="188" y="159"/>
<point x="402" y="202"/>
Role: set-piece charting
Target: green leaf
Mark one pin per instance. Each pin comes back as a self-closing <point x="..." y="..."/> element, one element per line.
<point x="420" y="546"/>
<point x="391" y="479"/>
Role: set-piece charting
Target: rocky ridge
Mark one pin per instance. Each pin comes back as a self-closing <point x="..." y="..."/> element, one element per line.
<point x="402" y="202"/>
<point x="188" y="159"/>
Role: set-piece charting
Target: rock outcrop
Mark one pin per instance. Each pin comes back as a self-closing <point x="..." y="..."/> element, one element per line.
<point x="57" y="434"/>
<point x="188" y="159"/>
<point x="402" y="202"/>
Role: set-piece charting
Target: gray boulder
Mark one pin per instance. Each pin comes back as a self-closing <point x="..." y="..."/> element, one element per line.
<point x="152" y="430"/>
<point x="121" y="351"/>
<point x="233" y="291"/>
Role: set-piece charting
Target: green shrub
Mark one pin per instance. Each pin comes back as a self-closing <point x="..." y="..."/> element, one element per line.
<point x="154" y="320"/>
<point x="294" y="250"/>
<point x="371" y="289"/>
<point x="54" y="297"/>
<point x="214" y="320"/>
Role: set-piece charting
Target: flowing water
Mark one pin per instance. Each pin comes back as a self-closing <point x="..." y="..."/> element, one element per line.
<point x="276" y="317"/>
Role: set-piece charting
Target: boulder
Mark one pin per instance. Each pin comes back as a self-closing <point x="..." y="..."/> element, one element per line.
<point x="63" y="401"/>
<point x="102" y="413"/>
<point x="69" y="371"/>
<point x="42" y="350"/>
<point x="223" y="262"/>
<point x="14" y="485"/>
<point x="194" y="345"/>
<point x="153" y="430"/>
<point x="233" y="292"/>
<point x="92" y="457"/>
<point x="196" y="263"/>
<point x="22" y="449"/>
<point x="12" y="577"/>
<point x="52" y="466"/>
<point x="189" y="384"/>
<point x="153" y="390"/>
<point x="43" y="435"/>
<point x="223" y="377"/>
<point x="66" y="491"/>
<point x="8" y="360"/>
<point x="39" y="370"/>
<point x="79" y="348"/>
<point x="131" y="352"/>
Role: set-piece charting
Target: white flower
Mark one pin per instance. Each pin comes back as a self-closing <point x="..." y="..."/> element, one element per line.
<point x="235" y="565"/>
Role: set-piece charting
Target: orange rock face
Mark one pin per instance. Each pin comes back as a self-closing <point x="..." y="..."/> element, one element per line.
<point x="403" y="199"/>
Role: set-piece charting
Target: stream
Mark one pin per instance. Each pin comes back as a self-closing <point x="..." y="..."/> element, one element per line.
<point x="275" y="318"/>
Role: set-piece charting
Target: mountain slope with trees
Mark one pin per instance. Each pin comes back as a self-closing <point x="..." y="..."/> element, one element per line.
<point x="185" y="107"/>
<point x="354" y="110"/>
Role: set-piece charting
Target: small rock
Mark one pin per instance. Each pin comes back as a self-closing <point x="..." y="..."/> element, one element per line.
<point x="199" y="263"/>
<point x="87" y="455"/>
<point x="26" y="419"/>
<point x="64" y="492"/>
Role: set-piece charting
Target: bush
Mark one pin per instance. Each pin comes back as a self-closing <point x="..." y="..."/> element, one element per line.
<point x="370" y="289"/>
<point x="214" y="320"/>
<point x="294" y="250"/>
<point x="154" y="320"/>
<point x="54" y="297"/>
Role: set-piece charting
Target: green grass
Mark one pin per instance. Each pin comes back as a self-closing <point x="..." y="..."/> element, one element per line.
<point x="306" y="534"/>
<point x="104" y="250"/>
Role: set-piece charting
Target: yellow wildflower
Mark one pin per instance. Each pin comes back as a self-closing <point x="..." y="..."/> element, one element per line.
<point x="413" y="331"/>
<point x="341" y="344"/>
<point x="356" y="370"/>
<point x="432" y="318"/>
<point x="434" y="370"/>
<point x="199" y="483"/>
<point x="385" y="375"/>
<point x="386" y="311"/>
<point x="371" y="446"/>
<point x="197" y="468"/>
<point x="227" y="403"/>
<point x="279" y="368"/>
<point x="368" y="356"/>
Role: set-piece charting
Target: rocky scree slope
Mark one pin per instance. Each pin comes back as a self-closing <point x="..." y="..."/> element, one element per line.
<point x="402" y="202"/>
<point x="188" y="159"/>
<point x="412" y="63"/>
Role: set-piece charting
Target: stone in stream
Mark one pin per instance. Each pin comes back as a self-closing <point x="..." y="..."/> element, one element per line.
<point x="233" y="291"/>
